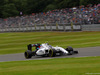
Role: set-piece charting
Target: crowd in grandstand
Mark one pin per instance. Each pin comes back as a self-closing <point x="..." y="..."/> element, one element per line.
<point x="82" y="15"/>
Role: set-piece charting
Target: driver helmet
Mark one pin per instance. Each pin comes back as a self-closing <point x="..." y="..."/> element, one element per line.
<point x="38" y="44"/>
<point x="47" y="43"/>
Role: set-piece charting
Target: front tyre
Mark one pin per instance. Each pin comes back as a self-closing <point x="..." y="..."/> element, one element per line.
<point x="28" y="54"/>
<point x="52" y="53"/>
<point x="70" y="50"/>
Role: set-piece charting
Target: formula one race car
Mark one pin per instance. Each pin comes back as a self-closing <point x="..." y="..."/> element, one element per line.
<point x="47" y="50"/>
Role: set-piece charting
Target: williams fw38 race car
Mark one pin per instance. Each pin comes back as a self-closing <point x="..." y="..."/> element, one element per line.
<point x="47" y="50"/>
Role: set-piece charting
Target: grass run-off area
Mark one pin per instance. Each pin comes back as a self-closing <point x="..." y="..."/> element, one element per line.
<point x="58" y="66"/>
<point x="17" y="42"/>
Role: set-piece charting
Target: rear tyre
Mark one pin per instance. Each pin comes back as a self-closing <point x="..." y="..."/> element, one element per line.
<point x="28" y="54"/>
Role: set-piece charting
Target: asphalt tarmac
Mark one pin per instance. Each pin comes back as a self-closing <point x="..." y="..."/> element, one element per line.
<point x="83" y="52"/>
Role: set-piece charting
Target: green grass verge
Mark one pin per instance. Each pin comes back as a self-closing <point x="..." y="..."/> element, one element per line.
<point x="17" y="42"/>
<point x="59" y="66"/>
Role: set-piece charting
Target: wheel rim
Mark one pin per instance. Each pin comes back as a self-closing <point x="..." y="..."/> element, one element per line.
<point x="50" y="53"/>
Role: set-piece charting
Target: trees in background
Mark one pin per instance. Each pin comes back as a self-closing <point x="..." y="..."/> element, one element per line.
<point x="14" y="7"/>
<point x="86" y="2"/>
<point x="2" y="3"/>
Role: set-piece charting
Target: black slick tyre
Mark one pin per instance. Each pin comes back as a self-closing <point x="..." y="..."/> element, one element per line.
<point x="52" y="53"/>
<point x="70" y="50"/>
<point x="28" y="54"/>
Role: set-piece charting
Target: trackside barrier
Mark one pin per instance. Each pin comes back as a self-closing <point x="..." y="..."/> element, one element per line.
<point x="42" y="27"/>
<point x="93" y="27"/>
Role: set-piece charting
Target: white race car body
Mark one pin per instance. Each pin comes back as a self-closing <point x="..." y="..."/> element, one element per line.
<point x="44" y="49"/>
<point x="48" y="50"/>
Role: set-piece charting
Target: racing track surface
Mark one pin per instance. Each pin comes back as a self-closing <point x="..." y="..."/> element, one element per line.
<point x="83" y="52"/>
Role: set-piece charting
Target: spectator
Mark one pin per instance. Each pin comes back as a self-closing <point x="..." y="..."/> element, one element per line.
<point x="83" y="15"/>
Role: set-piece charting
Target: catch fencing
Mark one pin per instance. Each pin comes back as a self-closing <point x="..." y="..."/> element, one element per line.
<point x="43" y="27"/>
<point x="52" y="27"/>
<point x="92" y="27"/>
